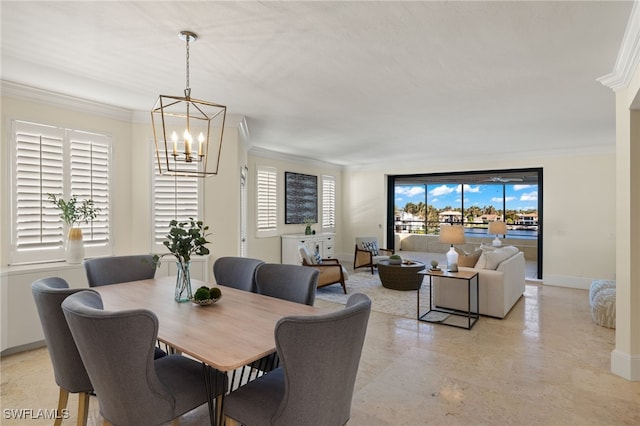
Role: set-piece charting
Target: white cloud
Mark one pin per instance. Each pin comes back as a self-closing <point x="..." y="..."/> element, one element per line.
<point x="410" y="191"/>
<point x="499" y="199"/>
<point x="530" y="196"/>
<point x="442" y="190"/>
<point x="469" y="188"/>
<point x="520" y="187"/>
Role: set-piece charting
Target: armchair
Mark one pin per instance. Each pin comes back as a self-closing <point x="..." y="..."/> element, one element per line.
<point x="368" y="254"/>
<point x="331" y="271"/>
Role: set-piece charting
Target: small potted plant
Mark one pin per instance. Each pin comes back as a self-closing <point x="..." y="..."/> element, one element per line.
<point x="184" y="240"/>
<point x="73" y="213"/>
<point x="308" y="222"/>
<point x="206" y="296"/>
<point x="395" y="259"/>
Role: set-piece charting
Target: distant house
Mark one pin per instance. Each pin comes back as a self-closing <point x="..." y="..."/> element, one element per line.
<point x="450" y="216"/>
<point x="486" y="218"/>
<point x="407" y="222"/>
<point x="527" y="219"/>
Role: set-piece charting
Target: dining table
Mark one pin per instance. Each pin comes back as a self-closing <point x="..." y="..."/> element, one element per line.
<point x="229" y="334"/>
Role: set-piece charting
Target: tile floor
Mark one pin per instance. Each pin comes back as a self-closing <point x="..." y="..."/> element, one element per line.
<point x="546" y="363"/>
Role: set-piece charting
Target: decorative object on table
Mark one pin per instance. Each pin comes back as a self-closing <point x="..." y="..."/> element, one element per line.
<point x="434" y="265"/>
<point x="72" y="214"/>
<point x="452" y="234"/>
<point x="497" y="228"/>
<point x="205" y="296"/>
<point x="172" y="117"/>
<point x="184" y="240"/>
<point x="395" y="259"/>
<point x="308" y="222"/>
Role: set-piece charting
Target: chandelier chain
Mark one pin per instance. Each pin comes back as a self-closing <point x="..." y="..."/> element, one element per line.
<point x="187" y="38"/>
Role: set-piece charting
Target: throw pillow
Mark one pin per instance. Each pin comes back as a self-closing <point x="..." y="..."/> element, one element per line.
<point x="496" y="257"/>
<point x="371" y="246"/>
<point x="469" y="260"/>
<point x="318" y="258"/>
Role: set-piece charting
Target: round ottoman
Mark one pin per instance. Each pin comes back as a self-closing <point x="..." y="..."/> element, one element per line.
<point x="597" y="285"/>
<point x="603" y="307"/>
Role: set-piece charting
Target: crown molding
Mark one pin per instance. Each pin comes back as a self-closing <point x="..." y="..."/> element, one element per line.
<point x="265" y="153"/>
<point x="628" y="55"/>
<point x="33" y="94"/>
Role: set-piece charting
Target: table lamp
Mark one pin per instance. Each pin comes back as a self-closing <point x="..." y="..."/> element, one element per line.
<point x="498" y="228"/>
<point x="452" y="235"/>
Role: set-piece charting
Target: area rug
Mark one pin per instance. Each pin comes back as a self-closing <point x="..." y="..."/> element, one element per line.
<point x="394" y="302"/>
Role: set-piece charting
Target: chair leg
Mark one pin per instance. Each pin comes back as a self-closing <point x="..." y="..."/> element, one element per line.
<point x="344" y="286"/>
<point x="63" y="398"/>
<point x="175" y="422"/>
<point x="83" y="408"/>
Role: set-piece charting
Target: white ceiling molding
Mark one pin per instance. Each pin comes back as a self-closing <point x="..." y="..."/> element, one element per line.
<point x="265" y="153"/>
<point x="33" y="94"/>
<point x="628" y="55"/>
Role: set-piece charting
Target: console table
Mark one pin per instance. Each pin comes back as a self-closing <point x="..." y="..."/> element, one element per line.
<point x="321" y="243"/>
<point x="452" y="317"/>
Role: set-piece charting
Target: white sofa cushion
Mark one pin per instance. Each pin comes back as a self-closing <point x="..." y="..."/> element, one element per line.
<point x="496" y="257"/>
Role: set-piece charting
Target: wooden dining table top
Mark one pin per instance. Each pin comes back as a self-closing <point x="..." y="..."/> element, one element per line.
<point x="226" y="335"/>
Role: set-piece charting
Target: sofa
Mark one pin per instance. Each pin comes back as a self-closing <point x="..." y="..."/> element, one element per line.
<point x="501" y="282"/>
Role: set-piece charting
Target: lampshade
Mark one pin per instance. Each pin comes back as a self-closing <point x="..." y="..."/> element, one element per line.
<point x="499" y="228"/>
<point x="451" y="234"/>
<point x="188" y="132"/>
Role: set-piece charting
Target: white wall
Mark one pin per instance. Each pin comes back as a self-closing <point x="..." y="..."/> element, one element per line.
<point x="578" y="209"/>
<point x="268" y="249"/>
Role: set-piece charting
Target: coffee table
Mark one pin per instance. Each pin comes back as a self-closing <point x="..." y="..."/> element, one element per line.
<point x="401" y="277"/>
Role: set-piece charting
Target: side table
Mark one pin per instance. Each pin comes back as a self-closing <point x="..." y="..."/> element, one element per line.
<point x="451" y="317"/>
<point x="401" y="277"/>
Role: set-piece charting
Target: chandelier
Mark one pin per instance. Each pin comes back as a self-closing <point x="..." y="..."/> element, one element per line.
<point x="176" y="122"/>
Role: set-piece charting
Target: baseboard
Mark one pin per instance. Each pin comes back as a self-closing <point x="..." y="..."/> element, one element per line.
<point x="23" y="348"/>
<point x="567" y="281"/>
<point x="625" y="365"/>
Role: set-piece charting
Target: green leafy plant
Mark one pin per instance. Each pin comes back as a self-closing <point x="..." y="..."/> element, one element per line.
<point x="395" y="256"/>
<point x="184" y="240"/>
<point x="72" y="212"/>
<point x="308" y="221"/>
<point x="205" y="293"/>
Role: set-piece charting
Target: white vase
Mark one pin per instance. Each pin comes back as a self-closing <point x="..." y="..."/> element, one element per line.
<point x="74" y="248"/>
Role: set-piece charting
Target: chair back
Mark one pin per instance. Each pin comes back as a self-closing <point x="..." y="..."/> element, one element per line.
<point x="236" y="272"/>
<point x="290" y="282"/>
<point x="117" y="349"/>
<point x="69" y="371"/>
<point x="119" y="269"/>
<point x="320" y="356"/>
<point x="305" y="257"/>
<point x="368" y="243"/>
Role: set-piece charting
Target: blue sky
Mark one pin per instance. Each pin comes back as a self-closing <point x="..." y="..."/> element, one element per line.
<point x="519" y="197"/>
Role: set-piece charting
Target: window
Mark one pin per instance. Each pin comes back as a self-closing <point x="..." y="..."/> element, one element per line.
<point x="328" y="203"/>
<point x="174" y="197"/>
<point x="266" y="202"/>
<point x="49" y="159"/>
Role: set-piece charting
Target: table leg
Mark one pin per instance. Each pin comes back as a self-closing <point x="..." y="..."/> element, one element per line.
<point x="211" y="384"/>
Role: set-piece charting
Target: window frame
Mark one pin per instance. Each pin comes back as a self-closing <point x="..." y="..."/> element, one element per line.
<point x="328" y="203"/>
<point x="268" y="214"/>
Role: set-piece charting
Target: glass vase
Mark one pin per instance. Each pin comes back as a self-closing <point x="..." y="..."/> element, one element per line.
<point x="183" y="283"/>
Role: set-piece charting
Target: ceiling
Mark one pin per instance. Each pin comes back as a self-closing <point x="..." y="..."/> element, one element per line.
<point x="350" y="83"/>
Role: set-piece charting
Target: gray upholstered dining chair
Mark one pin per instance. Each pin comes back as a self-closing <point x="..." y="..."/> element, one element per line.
<point x="117" y="350"/>
<point x="119" y="269"/>
<point x="68" y="369"/>
<point x="289" y="282"/>
<point x="236" y="272"/>
<point x="320" y="356"/>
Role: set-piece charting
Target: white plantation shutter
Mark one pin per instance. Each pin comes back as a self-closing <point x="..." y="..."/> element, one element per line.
<point x="328" y="203"/>
<point x="45" y="161"/>
<point x="174" y="197"/>
<point x="89" y="165"/>
<point x="266" y="212"/>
